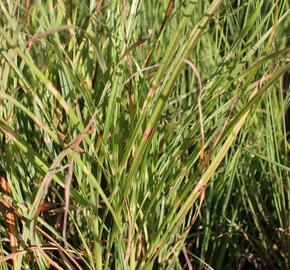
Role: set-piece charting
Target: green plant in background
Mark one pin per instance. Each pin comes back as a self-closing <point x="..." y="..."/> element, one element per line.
<point x="144" y="134"/>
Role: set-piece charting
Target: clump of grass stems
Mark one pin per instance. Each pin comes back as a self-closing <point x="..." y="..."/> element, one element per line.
<point x="144" y="134"/>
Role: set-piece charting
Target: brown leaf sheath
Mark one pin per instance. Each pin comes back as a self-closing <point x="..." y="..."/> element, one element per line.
<point x="9" y="217"/>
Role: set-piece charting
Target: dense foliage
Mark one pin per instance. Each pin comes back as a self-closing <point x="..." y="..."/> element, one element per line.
<point x="144" y="134"/>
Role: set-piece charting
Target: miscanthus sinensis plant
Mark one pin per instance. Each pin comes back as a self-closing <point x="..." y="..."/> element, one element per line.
<point x="144" y="134"/>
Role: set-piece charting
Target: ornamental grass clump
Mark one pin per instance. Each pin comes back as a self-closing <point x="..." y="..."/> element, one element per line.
<point x="144" y="134"/>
